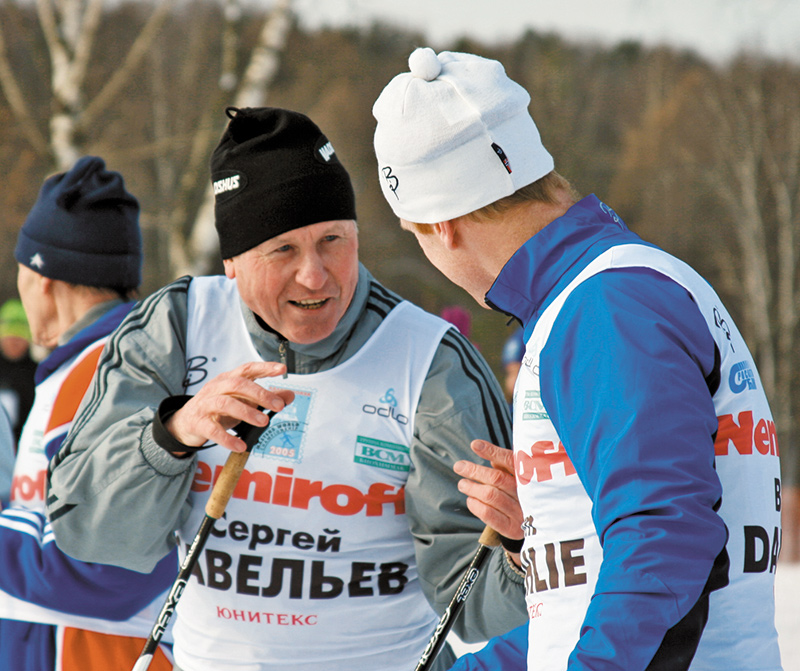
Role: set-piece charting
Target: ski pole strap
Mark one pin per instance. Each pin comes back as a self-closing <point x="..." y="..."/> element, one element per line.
<point x="166" y="441"/>
<point x="513" y="545"/>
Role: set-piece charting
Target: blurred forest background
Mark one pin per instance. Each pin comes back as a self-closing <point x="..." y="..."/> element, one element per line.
<point x="702" y="158"/>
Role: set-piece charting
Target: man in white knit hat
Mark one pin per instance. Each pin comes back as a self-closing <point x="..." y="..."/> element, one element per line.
<point x="645" y="456"/>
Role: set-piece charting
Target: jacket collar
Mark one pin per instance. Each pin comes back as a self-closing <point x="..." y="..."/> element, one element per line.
<point x="97" y="323"/>
<point x="549" y="260"/>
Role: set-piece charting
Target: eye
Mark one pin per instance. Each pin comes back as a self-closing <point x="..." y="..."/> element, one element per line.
<point x="283" y="249"/>
<point x="330" y="238"/>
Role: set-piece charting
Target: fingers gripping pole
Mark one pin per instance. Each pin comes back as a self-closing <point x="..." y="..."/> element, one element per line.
<point x="488" y="539"/>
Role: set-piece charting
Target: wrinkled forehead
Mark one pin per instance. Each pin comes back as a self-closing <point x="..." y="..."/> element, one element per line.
<point x="311" y="235"/>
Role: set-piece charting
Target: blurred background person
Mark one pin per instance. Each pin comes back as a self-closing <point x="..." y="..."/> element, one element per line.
<point x="6" y="456"/>
<point x="458" y="317"/>
<point x="17" y="367"/>
<point x="79" y="256"/>
<point x="511" y="358"/>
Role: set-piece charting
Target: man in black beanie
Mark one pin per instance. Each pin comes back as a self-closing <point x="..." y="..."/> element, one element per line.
<point x="347" y="535"/>
<point x="80" y="257"/>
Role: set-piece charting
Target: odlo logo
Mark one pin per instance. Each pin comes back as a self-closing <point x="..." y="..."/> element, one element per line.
<point x="382" y="411"/>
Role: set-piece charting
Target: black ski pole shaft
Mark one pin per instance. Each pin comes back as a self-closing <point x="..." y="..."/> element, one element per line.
<point x="489" y="539"/>
<point x="215" y="507"/>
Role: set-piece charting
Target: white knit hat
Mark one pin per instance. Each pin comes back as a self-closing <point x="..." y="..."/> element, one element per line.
<point x="454" y="135"/>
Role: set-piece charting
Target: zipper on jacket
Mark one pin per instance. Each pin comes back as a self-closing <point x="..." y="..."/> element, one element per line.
<point x="492" y="306"/>
<point x="287" y="356"/>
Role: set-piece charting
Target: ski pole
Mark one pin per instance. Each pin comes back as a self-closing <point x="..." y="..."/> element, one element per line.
<point x="215" y="507"/>
<point x="488" y="539"/>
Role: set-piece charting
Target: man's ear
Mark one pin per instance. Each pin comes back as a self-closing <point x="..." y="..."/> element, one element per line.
<point x="447" y="232"/>
<point x="230" y="270"/>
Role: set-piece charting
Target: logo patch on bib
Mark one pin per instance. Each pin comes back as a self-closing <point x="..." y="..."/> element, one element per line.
<point x="284" y="437"/>
<point x="381" y="453"/>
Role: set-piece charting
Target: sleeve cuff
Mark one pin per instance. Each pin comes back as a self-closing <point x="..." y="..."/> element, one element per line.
<point x="511" y="570"/>
<point x="163" y="438"/>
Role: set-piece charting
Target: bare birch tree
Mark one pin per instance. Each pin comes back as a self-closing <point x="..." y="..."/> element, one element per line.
<point x="70" y="32"/>
<point x="252" y="91"/>
<point x="70" y="28"/>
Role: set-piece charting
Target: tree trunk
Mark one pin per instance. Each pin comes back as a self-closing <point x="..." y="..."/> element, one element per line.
<point x="253" y="91"/>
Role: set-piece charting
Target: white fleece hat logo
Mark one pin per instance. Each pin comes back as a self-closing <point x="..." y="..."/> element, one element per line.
<point x="454" y="135"/>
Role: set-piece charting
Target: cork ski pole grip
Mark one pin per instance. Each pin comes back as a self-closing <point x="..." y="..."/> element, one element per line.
<point x="226" y="483"/>
<point x="215" y="507"/>
<point x="490" y="538"/>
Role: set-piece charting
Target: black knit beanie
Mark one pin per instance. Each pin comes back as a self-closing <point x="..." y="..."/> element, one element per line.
<point x="84" y="229"/>
<point x="274" y="171"/>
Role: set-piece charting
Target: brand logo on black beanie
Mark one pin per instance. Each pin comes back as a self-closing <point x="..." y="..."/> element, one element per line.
<point x="324" y="152"/>
<point x="228" y="183"/>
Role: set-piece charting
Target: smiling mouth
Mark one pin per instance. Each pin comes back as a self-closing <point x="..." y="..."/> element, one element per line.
<point x="310" y="304"/>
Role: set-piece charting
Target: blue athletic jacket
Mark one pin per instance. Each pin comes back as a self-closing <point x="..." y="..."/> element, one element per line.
<point x="33" y="569"/>
<point x="612" y="332"/>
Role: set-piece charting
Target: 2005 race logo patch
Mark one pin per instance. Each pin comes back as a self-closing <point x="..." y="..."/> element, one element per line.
<point x="283" y="438"/>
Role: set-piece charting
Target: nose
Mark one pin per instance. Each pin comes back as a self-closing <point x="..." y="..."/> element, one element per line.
<point x="311" y="272"/>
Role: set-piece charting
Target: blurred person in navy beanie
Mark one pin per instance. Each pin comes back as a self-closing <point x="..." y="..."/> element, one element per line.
<point x="511" y="359"/>
<point x="84" y="229"/>
<point x="80" y="259"/>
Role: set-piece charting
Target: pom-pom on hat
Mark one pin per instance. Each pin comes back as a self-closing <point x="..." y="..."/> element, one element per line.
<point x="273" y="171"/>
<point x="84" y="229"/>
<point x="454" y="135"/>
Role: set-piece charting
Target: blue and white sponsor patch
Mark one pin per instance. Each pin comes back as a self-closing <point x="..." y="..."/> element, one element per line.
<point x="532" y="406"/>
<point x="742" y="377"/>
<point x="381" y="453"/>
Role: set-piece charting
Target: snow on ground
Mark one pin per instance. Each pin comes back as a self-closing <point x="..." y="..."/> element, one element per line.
<point x="787" y="613"/>
<point x="787" y="617"/>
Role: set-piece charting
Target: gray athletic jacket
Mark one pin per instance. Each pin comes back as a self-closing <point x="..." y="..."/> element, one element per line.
<point x="116" y="497"/>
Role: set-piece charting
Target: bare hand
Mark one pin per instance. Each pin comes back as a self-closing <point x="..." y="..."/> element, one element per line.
<point x="492" y="491"/>
<point x="226" y="400"/>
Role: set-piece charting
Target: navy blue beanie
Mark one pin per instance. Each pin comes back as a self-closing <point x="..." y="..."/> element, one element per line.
<point x="274" y="171"/>
<point x="84" y="229"/>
